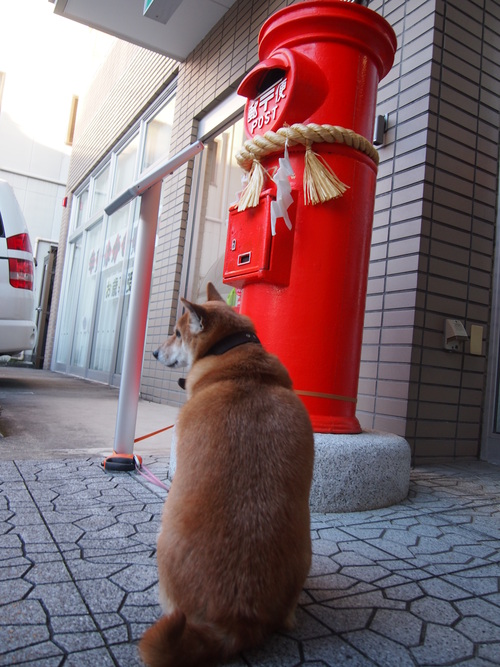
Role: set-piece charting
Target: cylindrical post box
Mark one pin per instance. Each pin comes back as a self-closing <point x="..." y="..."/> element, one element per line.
<point x="304" y="282"/>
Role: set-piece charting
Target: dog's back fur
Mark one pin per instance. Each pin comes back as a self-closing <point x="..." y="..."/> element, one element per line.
<point x="234" y="548"/>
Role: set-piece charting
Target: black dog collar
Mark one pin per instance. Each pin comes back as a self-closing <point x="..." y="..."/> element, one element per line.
<point x="226" y="344"/>
<point x="233" y="340"/>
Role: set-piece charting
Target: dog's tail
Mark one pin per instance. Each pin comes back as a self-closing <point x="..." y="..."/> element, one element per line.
<point x="174" y="642"/>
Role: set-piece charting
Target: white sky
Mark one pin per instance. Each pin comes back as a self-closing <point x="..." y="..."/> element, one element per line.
<point x="47" y="59"/>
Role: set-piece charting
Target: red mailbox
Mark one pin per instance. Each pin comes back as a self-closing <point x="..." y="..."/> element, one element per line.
<point x="312" y="99"/>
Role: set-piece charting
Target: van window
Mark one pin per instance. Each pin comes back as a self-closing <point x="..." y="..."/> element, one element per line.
<point x="2" y="230"/>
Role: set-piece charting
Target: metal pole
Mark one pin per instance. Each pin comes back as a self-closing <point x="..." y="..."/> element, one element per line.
<point x="149" y="188"/>
<point x="136" y="322"/>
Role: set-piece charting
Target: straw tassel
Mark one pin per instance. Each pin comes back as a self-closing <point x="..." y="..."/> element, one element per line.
<point x="251" y="194"/>
<point x="320" y="182"/>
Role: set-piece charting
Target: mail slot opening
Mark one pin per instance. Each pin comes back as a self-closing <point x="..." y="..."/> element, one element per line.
<point x="270" y="77"/>
<point x="244" y="258"/>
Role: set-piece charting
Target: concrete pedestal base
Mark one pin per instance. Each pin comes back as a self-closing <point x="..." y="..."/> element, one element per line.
<point x="359" y="472"/>
<point x="352" y="473"/>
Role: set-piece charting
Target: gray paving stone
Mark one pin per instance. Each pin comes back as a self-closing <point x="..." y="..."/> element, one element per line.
<point x="278" y="651"/>
<point x="334" y="652"/>
<point x="404" y="591"/>
<point x="14" y="590"/>
<point x="43" y="573"/>
<point x="478" y="630"/>
<point x="329" y="581"/>
<point x="372" y="600"/>
<point x="45" y="654"/>
<point x="306" y="625"/>
<point x="75" y="642"/>
<point x="368" y="573"/>
<point x="324" y="547"/>
<point x="477" y="584"/>
<point x="490" y="651"/>
<point x="126" y="655"/>
<point x="93" y="657"/>
<point x="136" y="577"/>
<point x="146" y="598"/>
<point x="442" y="646"/>
<point x="341" y="620"/>
<point x="435" y="611"/>
<point x="14" y="568"/>
<point x="443" y="590"/>
<point x="391" y="549"/>
<point x="83" y="569"/>
<point x="22" y="612"/>
<point x="59" y="598"/>
<point x="118" y="635"/>
<point x="381" y="650"/>
<point x="400" y="626"/>
<point x="139" y="614"/>
<point x="416" y="584"/>
<point x="72" y="623"/>
<point x="480" y="608"/>
<point x="15" y="637"/>
<point x="102" y="595"/>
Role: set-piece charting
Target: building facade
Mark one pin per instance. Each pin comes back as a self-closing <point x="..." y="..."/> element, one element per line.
<point x="433" y="244"/>
<point x="38" y="102"/>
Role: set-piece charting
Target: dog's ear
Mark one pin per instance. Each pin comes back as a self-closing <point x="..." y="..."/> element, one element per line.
<point x="213" y="294"/>
<point x="196" y="316"/>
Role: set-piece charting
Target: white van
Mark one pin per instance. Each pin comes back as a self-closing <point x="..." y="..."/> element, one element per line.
<point x="17" y="304"/>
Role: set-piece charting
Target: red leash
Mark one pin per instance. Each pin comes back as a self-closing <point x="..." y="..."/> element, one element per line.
<point x="140" y="467"/>
<point x="150" y="435"/>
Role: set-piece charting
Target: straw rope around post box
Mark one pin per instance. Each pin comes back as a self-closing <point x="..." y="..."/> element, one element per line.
<point x="320" y="182"/>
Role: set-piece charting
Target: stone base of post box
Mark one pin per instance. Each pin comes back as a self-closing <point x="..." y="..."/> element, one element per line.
<point x="353" y="473"/>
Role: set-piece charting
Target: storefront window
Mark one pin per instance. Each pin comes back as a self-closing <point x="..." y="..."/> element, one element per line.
<point x="81" y="204"/>
<point x="68" y="314"/>
<point x="158" y="133"/>
<point x="101" y="251"/>
<point x="100" y="280"/>
<point x="85" y="296"/>
<point x="126" y="166"/>
<point x="110" y="290"/>
<point x="101" y="188"/>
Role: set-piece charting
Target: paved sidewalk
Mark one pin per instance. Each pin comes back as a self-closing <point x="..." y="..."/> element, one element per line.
<point x="413" y="584"/>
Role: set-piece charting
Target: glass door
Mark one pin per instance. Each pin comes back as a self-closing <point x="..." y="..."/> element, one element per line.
<point x="85" y="301"/>
<point x="109" y="295"/>
<point x="129" y="273"/>
<point x="67" y="321"/>
<point x="490" y="441"/>
<point x="220" y="181"/>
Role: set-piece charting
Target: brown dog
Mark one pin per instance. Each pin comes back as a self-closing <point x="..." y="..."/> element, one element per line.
<point x="234" y="547"/>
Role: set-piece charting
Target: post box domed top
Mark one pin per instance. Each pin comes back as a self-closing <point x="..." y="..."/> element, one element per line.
<point x="318" y="21"/>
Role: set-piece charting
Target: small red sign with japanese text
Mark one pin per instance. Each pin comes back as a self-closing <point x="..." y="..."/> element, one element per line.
<point x="263" y="111"/>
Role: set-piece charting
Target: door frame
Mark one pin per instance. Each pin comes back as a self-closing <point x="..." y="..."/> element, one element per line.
<point x="490" y="440"/>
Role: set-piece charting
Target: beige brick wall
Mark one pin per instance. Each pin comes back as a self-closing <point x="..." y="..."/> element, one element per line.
<point x="434" y="225"/>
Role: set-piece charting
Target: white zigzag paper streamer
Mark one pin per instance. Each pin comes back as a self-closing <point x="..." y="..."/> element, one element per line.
<point x="284" y="199"/>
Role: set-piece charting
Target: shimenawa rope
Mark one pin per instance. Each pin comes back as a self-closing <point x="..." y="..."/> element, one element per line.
<point x="320" y="182"/>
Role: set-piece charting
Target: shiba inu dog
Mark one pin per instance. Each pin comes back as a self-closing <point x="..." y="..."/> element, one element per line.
<point x="234" y="547"/>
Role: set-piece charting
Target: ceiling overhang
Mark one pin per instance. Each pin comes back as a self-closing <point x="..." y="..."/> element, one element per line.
<point x="170" y="27"/>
